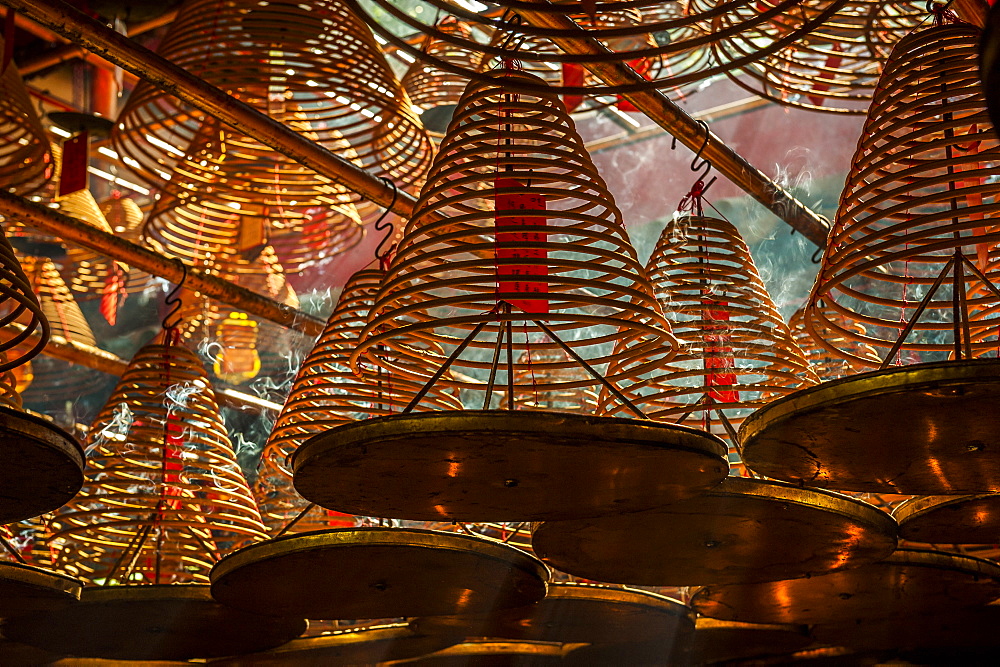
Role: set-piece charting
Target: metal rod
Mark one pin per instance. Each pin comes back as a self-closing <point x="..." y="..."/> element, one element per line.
<point x="677" y="122"/>
<point x="916" y="315"/>
<point x="448" y="362"/>
<point x="89" y="33"/>
<point x="299" y="517"/>
<point x="493" y="370"/>
<point x="593" y="371"/>
<point x="13" y="552"/>
<point x="109" y="245"/>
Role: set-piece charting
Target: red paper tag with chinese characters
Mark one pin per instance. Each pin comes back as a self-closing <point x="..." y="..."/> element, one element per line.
<point x="572" y="75"/>
<point x="718" y="355"/>
<point x="510" y="245"/>
<point x="75" y="158"/>
<point x="172" y="463"/>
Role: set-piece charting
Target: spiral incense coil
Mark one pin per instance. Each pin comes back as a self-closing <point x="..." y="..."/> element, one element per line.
<point x="835" y="67"/>
<point x="25" y="160"/>
<point x="821" y="360"/>
<point x="314" y="68"/>
<point x="572" y="267"/>
<point x="125" y="218"/>
<point x="20" y="313"/>
<point x="57" y="303"/>
<point x="163" y="497"/>
<point x="675" y="33"/>
<point x="88" y="272"/>
<point x="326" y="392"/>
<point x="917" y="202"/>
<point x="9" y="395"/>
<point x="284" y="510"/>
<point x="431" y="88"/>
<point x="736" y="350"/>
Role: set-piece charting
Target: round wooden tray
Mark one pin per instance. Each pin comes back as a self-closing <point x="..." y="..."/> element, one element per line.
<point x="26" y="589"/>
<point x="498" y="465"/>
<point x="910" y="581"/>
<point x="950" y="519"/>
<point x="164" y="622"/>
<point x="923" y="429"/>
<point x="743" y="530"/>
<point x="360" y="573"/>
<point x="718" y="641"/>
<point x="42" y="466"/>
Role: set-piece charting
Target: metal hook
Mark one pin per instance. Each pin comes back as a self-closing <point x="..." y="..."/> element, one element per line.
<point x="697" y="166"/>
<point x="175" y="303"/>
<point x="380" y="254"/>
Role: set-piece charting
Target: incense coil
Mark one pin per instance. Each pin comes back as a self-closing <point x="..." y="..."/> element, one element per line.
<point x="736" y="353"/>
<point x="918" y="190"/>
<point x="21" y="314"/>
<point x="125" y="218"/>
<point x="821" y="360"/>
<point x="326" y="392"/>
<point x="25" y="159"/>
<point x="86" y="271"/>
<point x="453" y="268"/>
<point x="161" y="476"/>
<point x="527" y="379"/>
<point x="673" y="32"/>
<point x="317" y="70"/>
<point x="10" y="397"/>
<point x="30" y="538"/>
<point x="280" y="504"/>
<point x="835" y="67"/>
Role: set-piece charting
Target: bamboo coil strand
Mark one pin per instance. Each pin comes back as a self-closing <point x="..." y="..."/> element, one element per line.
<point x="19" y="308"/>
<point x="26" y="163"/>
<point x="821" y="360"/>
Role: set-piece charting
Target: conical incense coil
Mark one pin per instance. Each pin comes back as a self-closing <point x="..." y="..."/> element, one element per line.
<point x="232" y="213"/>
<point x="163" y="497"/>
<point x="89" y="273"/>
<point x="20" y="313"/>
<point x="25" y="160"/>
<point x="434" y="91"/>
<point x="672" y="33"/>
<point x="326" y="392"/>
<point x="514" y="211"/>
<point x="10" y="397"/>
<point x="917" y="203"/>
<point x="318" y="70"/>
<point x="824" y="363"/>
<point x="836" y="66"/>
<point x="57" y="303"/>
<point x="283" y="510"/>
<point x="126" y="218"/>
<point x="30" y="538"/>
<point x="737" y="352"/>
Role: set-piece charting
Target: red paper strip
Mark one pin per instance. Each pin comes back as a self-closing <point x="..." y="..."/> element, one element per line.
<point x="172" y="463"/>
<point x="112" y="294"/>
<point x="510" y="245"/>
<point x="718" y="355"/>
<point x="339" y="519"/>
<point x="572" y="75"/>
<point x="73" y="176"/>
<point x="833" y="62"/>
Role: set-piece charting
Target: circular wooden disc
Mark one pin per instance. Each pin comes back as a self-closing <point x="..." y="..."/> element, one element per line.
<point x="743" y="530"/>
<point x="151" y="623"/>
<point x="722" y="641"/>
<point x="950" y="519"/>
<point x="497" y="653"/>
<point x="572" y="613"/>
<point x="922" y="429"/>
<point x="358" y="573"/>
<point x="42" y="466"/>
<point x="941" y="628"/>
<point x="909" y="581"/>
<point x="25" y="589"/>
<point x="499" y="465"/>
<point x="366" y="646"/>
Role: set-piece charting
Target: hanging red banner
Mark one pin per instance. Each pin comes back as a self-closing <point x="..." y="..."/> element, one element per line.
<point x="572" y="75"/>
<point x="75" y="160"/>
<point x="718" y="355"/>
<point x="510" y="244"/>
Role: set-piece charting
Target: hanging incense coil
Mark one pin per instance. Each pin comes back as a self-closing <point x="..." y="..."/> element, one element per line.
<point x="317" y="70"/>
<point x="435" y="92"/>
<point x="821" y="360"/>
<point x="326" y="392"/>
<point x="25" y="161"/>
<point x="673" y="33"/>
<point x="737" y="352"/>
<point x="21" y="315"/>
<point x="836" y="66"/>
<point x="284" y="511"/>
<point x="572" y="267"/>
<point x="89" y="273"/>
<point x="917" y="204"/>
<point x="163" y="496"/>
<point x="125" y="218"/>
